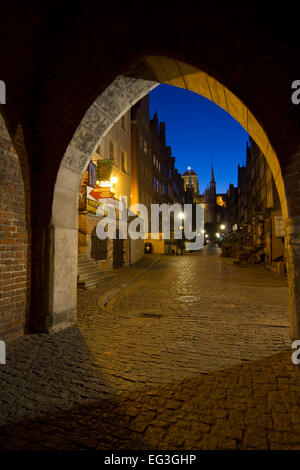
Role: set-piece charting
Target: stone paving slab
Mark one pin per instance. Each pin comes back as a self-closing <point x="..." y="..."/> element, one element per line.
<point x="211" y="370"/>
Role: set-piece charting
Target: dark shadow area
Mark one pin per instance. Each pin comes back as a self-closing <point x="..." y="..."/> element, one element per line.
<point x="252" y="406"/>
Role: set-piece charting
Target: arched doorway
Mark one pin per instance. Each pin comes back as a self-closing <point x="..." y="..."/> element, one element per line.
<point x="100" y="117"/>
<point x="98" y="246"/>
<point x="118" y="251"/>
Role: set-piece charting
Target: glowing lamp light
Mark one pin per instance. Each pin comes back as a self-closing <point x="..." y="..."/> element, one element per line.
<point x="222" y="227"/>
<point x="114" y="180"/>
<point x="189" y="168"/>
<point x="105" y="184"/>
<point x="217" y="235"/>
<point x="181" y="215"/>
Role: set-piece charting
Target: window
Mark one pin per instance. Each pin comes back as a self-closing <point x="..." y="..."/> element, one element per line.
<point x="123" y="161"/>
<point x="123" y="123"/>
<point x="100" y="149"/>
<point x="92" y="174"/>
<point x="112" y="150"/>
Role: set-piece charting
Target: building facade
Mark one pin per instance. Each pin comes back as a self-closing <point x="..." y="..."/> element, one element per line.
<point x="155" y="180"/>
<point x="219" y="209"/>
<point x="259" y="211"/>
<point x="110" y="172"/>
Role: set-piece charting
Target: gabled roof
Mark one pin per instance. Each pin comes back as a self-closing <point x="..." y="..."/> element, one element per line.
<point x="187" y="173"/>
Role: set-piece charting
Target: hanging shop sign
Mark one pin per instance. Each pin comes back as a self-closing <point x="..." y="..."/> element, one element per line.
<point x="99" y="192"/>
<point x="89" y="199"/>
<point x="92" y="206"/>
<point x="92" y="198"/>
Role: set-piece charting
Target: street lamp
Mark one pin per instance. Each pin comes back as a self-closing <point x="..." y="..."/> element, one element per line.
<point x="222" y="227"/>
<point x="181" y="216"/>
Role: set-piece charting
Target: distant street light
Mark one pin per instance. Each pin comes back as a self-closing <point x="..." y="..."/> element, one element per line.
<point x="222" y="227"/>
<point x="181" y="216"/>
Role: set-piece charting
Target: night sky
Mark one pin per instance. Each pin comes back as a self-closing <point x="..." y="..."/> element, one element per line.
<point x="200" y="133"/>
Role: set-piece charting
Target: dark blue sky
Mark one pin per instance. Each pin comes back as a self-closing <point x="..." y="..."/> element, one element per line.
<point x="200" y="133"/>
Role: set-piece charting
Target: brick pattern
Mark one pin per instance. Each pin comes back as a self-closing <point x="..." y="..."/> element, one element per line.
<point x="13" y="240"/>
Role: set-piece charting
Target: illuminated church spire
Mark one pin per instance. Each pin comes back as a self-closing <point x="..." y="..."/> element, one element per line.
<point x="212" y="179"/>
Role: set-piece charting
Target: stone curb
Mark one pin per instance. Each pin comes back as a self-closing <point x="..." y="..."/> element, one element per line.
<point x="105" y="298"/>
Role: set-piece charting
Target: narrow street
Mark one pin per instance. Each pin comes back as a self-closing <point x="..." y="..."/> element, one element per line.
<point x="195" y="354"/>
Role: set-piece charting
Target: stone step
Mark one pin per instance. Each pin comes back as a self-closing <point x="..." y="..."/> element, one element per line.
<point x="92" y="275"/>
<point x="88" y="269"/>
<point x="86" y="262"/>
<point x="95" y="281"/>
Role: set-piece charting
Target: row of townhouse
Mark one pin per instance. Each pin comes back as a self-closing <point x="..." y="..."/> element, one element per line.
<point x="133" y="162"/>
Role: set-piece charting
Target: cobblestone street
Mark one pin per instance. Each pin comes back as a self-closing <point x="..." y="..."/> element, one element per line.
<point x="194" y="354"/>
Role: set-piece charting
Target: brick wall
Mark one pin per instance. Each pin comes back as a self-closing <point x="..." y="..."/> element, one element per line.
<point x="13" y="240"/>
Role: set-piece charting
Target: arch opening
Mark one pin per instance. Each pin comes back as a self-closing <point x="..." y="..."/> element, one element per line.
<point x="118" y="98"/>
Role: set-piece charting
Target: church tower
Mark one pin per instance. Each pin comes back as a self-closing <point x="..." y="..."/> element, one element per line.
<point x="212" y="182"/>
<point x="211" y="200"/>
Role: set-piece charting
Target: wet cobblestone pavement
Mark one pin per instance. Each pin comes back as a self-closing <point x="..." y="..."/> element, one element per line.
<point x="195" y="354"/>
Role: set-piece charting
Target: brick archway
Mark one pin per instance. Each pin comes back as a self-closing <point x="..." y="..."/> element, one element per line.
<point x="15" y="231"/>
<point x="100" y="117"/>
